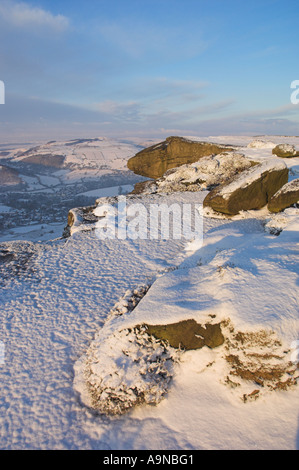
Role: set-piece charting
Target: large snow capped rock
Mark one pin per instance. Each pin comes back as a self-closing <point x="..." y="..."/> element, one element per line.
<point x="285" y="151"/>
<point x="154" y="161"/>
<point x="285" y="197"/>
<point x="252" y="189"/>
<point x="206" y="173"/>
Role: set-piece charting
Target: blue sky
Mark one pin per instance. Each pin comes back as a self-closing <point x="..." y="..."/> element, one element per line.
<point x="148" y="68"/>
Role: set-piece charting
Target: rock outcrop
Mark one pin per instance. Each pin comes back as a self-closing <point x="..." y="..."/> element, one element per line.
<point x="206" y="173"/>
<point x="79" y="218"/>
<point x="188" y="334"/>
<point x="252" y="189"/>
<point x="145" y="187"/>
<point x="154" y="161"/>
<point x="285" y="197"/>
<point x="285" y="151"/>
<point x="203" y="174"/>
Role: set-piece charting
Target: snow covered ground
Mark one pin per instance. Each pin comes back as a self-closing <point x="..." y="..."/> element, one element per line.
<point x="56" y="301"/>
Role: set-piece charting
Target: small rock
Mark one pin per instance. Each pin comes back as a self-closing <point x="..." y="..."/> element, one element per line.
<point x="285" y="151"/>
<point x="285" y="197"/>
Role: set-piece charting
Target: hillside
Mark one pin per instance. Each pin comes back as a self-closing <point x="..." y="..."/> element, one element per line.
<point x="41" y="182"/>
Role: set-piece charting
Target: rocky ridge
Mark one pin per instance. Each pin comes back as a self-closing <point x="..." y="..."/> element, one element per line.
<point x="250" y="190"/>
<point x="154" y="161"/>
<point x="235" y="182"/>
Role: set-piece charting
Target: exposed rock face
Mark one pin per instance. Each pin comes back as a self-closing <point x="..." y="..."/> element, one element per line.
<point x="285" y="151"/>
<point x="206" y="173"/>
<point x="154" y="161"/>
<point x="252" y="189"/>
<point x="188" y="334"/>
<point x="285" y="197"/>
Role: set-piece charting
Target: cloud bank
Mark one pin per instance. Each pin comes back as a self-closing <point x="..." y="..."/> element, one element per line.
<point x="21" y="15"/>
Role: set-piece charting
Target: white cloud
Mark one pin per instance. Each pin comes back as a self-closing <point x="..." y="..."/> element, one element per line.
<point x="137" y="40"/>
<point x="124" y="111"/>
<point x="147" y="95"/>
<point x="22" y="15"/>
<point x="144" y="114"/>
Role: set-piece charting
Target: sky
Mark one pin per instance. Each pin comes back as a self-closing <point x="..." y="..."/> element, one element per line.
<point x="147" y="68"/>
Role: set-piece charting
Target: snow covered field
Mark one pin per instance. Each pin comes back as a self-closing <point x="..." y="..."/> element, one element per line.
<point x="57" y="176"/>
<point x="56" y="302"/>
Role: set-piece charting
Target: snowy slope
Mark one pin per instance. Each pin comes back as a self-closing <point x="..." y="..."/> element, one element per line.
<point x="91" y="155"/>
<point x="55" y="301"/>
